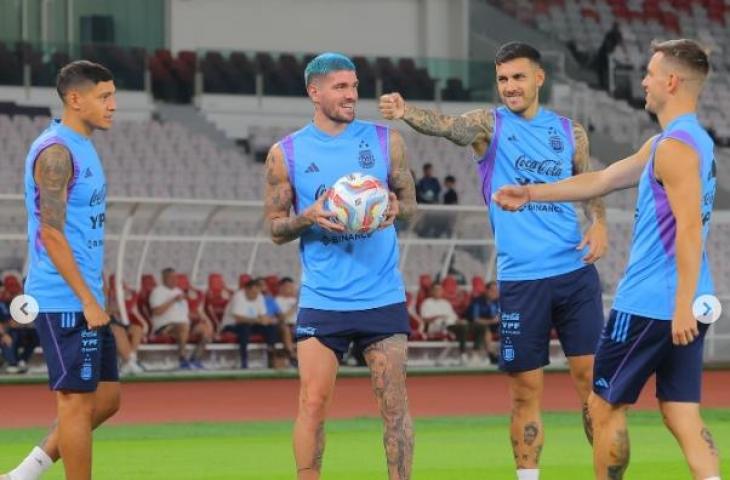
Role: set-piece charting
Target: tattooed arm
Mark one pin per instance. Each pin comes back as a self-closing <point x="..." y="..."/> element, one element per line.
<point x="400" y="179"/>
<point x="53" y="172"/>
<point x="473" y="128"/>
<point x="593" y="208"/>
<point x="278" y="200"/>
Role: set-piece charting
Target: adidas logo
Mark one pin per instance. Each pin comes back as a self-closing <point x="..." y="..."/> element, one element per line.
<point x="312" y="168"/>
<point x="601" y="382"/>
<point x="88" y="173"/>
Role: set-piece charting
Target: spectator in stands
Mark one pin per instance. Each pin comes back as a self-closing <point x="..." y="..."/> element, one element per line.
<point x="428" y="187"/>
<point x="127" y="336"/>
<point x="246" y="314"/>
<point x="288" y="303"/>
<point x="276" y="313"/>
<point x="603" y="56"/>
<point x="450" y="195"/>
<point x="17" y="341"/>
<point x="170" y="316"/>
<point x="484" y="311"/>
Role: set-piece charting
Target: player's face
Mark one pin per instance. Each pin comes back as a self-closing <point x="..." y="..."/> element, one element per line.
<point x="655" y="84"/>
<point x="336" y="95"/>
<point x="518" y="82"/>
<point x="96" y="105"/>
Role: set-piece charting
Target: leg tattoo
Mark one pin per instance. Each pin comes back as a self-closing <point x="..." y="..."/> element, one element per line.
<point x="619" y="456"/>
<point x="316" y="463"/>
<point x="386" y="360"/>
<point x="587" y="423"/>
<point x="707" y="437"/>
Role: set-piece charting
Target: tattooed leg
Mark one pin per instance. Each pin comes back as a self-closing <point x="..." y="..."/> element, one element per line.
<point x="581" y="371"/>
<point x="387" y="362"/>
<point x="317" y="372"/>
<point x="610" y="439"/>
<point x="526" y="430"/>
<point x="685" y="422"/>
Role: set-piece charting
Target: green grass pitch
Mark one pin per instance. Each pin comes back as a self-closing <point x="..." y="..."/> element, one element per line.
<point x="446" y="448"/>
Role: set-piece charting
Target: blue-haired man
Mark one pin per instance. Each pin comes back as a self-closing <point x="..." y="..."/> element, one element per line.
<point x="351" y="289"/>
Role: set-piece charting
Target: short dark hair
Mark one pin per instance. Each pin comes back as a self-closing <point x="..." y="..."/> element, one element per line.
<point x="426" y="166"/>
<point x="688" y="53"/>
<point x="251" y="283"/>
<point x="167" y="271"/>
<point x="514" y="50"/>
<point x="79" y="72"/>
<point x="286" y="280"/>
<point x="450" y="178"/>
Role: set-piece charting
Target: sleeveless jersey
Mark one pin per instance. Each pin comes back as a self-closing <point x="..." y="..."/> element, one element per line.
<point x="539" y="240"/>
<point x="649" y="284"/>
<point x="342" y="271"/>
<point x="84" y="226"/>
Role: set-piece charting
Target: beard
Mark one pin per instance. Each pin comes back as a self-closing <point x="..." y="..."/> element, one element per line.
<point x="334" y="114"/>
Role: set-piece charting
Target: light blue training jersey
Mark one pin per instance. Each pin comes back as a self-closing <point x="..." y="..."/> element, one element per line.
<point x="342" y="271"/>
<point x="649" y="284"/>
<point x="539" y="240"/>
<point x="84" y="227"/>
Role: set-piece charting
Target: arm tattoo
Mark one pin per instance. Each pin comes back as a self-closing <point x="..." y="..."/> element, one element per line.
<point x="400" y="179"/>
<point x="387" y="362"/>
<point x="54" y="171"/>
<point x="619" y="455"/>
<point x="593" y="208"/>
<point x="463" y="130"/>
<point x="278" y="198"/>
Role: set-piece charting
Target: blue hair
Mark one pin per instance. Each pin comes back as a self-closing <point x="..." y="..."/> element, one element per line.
<point x="325" y="63"/>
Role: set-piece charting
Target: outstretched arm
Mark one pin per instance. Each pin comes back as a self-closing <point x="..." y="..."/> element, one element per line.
<point x="278" y="199"/>
<point x="617" y="176"/>
<point x="472" y="128"/>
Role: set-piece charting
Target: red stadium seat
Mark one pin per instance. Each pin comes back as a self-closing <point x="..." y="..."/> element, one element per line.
<point x="131" y="301"/>
<point x="458" y="298"/>
<point x="477" y="286"/>
<point x="424" y="285"/>
<point x="243" y="279"/>
<point x="216" y="298"/>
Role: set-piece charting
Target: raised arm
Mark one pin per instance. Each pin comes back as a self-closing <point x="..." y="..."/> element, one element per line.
<point x="400" y="179"/>
<point x="278" y="199"/>
<point x="473" y="128"/>
<point x="617" y="176"/>
<point x="53" y="172"/>
<point x="677" y="166"/>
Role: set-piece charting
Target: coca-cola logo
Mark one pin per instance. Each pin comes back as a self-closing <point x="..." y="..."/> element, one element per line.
<point x="551" y="168"/>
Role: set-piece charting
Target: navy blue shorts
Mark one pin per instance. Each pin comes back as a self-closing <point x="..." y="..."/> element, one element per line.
<point x="337" y="329"/>
<point x="571" y="303"/>
<point x="632" y="348"/>
<point x="77" y="358"/>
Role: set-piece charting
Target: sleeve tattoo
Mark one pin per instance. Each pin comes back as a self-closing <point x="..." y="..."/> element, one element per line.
<point x="54" y="171"/>
<point x="400" y="180"/>
<point x="593" y="208"/>
<point x="278" y="200"/>
<point x="466" y="129"/>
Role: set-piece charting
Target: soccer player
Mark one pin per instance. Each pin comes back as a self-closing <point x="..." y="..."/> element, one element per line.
<point x="65" y="196"/>
<point x="351" y="289"/>
<point x="651" y="328"/>
<point x="545" y="272"/>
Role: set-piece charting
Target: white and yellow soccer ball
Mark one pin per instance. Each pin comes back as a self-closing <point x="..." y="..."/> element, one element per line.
<point x="360" y="202"/>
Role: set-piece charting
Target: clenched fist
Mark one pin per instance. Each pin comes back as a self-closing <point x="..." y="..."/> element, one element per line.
<point x="392" y="106"/>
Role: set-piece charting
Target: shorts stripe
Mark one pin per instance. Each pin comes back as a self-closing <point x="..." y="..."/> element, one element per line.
<point x="626" y="324"/>
<point x="58" y="352"/>
<point x="628" y="354"/>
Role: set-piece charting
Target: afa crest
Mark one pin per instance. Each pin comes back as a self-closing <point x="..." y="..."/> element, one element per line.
<point x="366" y="157"/>
<point x="556" y="143"/>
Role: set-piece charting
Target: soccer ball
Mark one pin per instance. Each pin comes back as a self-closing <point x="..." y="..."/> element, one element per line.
<point x="360" y="202"/>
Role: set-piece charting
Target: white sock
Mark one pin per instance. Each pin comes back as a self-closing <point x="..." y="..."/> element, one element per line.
<point x="712" y="478"/>
<point x="133" y="357"/>
<point x="528" y="474"/>
<point x="33" y="466"/>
